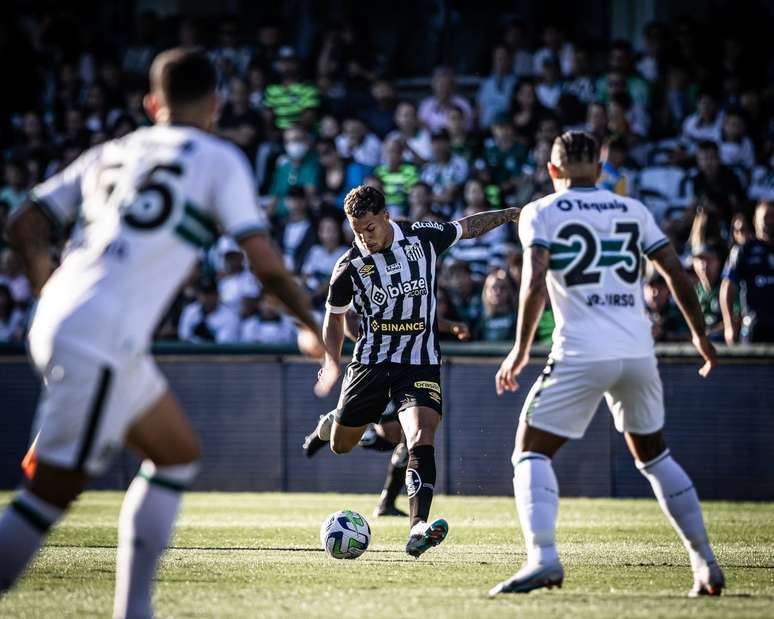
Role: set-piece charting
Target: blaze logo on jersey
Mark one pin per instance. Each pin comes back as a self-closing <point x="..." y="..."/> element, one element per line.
<point x="366" y="270"/>
<point x="414" y="252"/>
<point x="412" y="288"/>
<point x="378" y="295"/>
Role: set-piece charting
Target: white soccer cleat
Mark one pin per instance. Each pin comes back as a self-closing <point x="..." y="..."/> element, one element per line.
<point x="708" y="580"/>
<point x="531" y="577"/>
<point x="324" y="426"/>
<point x="423" y="536"/>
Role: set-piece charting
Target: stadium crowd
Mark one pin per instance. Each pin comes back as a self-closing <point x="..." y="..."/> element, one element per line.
<point x="689" y="132"/>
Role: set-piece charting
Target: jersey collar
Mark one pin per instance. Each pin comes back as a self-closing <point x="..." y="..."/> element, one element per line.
<point x="397" y="236"/>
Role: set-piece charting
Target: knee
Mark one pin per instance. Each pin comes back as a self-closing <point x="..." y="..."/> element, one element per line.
<point x="418" y="437"/>
<point x="338" y="447"/>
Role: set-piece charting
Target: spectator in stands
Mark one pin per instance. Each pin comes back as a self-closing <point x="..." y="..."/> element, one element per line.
<point x="464" y="292"/>
<point x="445" y="174"/>
<point x="263" y="322"/>
<point x="322" y="257"/>
<point x="379" y="115"/>
<point x="417" y="146"/>
<point x="620" y="104"/>
<point x="580" y="81"/>
<point x="14" y="190"/>
<point x="140" y="52"/>
<point x="487" y="251"/>
<point x="498" y="317"/>
<point x="495" y="91"/>
<point x="741" y="230"/>
<point x="750" y="270"/>
<point x="550" y="87"/>
<point x="716" y="183"/>
<point x="526" y="110"/>
<point x="299" y="168"/>
<point x="463" y="142"/>
<point x="11" y="318"/>
<point x="12" y="275"/>
<point x="673" y="103"/>
<point x="705" y="123"/>
<point x="420" y="201"/>
<point x="5" y="211"/>
<point x="708" y="265"/>
<point x="596" y="121"/>
<point x="397" y="176"/>
<point x="238" y="122"/>
<point x="613" y="177"/>
<point x="291" y="101"/>
<point x="516" y="37"/>
<point x="432" y="110"/>
<point x="333" y="174"/>
<point x="762" y="182"/>
<point x="207" y="319"/>
<point x="504" y="156"/>
<point x="667" y="322"/>
<point x="297" y="233"/>
<point x="620" y="67"/>
<point x="256" y="86"/>
<point x="736" y="148"/>
<point x="649" y="65"/>
<point x="235" y="278"/>
<point x="554" y="45"/>
<point x="534" y="182"/>
<point x="358" y="144"/>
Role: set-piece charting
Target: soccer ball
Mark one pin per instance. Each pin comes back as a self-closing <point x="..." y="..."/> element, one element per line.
<point x="345" y="535"/>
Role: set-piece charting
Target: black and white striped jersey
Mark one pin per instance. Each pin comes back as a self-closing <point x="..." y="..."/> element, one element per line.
<point x="394" y="291"/>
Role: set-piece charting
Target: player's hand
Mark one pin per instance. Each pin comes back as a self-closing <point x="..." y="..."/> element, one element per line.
<point x="326" y="377"/>
<point x="460" y="330"/>
<point x="510" y="368"/>
<point x="310" y="343"/>
<point x="707" y="351"/>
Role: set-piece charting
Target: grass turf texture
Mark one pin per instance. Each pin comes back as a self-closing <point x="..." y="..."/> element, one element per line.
<point x="258" y="555"/>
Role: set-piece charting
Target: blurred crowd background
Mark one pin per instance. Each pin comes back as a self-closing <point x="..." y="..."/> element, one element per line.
<point x="449" y="110"/>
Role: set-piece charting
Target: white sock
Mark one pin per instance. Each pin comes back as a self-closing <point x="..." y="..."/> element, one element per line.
<point x="145" y="525"/>
<point x="537" y="502"/>
<point x="679" y="501"/>
<point x="23" y="528"/>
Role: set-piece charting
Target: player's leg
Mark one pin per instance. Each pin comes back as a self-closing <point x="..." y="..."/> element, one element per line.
<point x="636" y="402"/>
<point x="559" y="406"/>
<point x="159" y="431"/>
<point x="389" y="432"/>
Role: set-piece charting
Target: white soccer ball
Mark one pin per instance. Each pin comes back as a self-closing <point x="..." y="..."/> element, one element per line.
<point x="345" y="535"/>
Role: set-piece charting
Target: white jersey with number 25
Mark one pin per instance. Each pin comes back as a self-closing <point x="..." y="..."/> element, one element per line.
<point x="143" y="207"/>
<point x="596" y="241"/>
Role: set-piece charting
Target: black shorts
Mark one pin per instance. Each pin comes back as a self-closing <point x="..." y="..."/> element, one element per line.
<point x="368" y="389"/>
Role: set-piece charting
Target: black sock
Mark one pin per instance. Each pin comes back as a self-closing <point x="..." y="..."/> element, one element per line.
<point x="396" y="475"/>
<point x="420" y="481"/>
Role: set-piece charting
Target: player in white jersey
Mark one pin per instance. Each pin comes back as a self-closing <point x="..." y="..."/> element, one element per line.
<point x="143" y="207"/>
<point x="587" y="244"/>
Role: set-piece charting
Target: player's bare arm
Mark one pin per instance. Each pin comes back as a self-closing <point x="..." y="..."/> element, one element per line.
<point x="475" y="225"/>
<point x="668" y="265"/>
<point x="333" y="338"/>
<point x="28" y="232"/>
<point x="532" y="299"/>
<point x="269" y="268"/>
<point x="728" y="292"/>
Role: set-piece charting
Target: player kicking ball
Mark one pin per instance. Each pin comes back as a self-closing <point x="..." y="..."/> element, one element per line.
<point x="588" y="243"/>
<point x="388" y="276"/>
<point x="146" y="204"/>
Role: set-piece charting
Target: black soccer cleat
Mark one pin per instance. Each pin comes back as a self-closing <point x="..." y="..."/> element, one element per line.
<point x="388" y="510"/>
<point x="313" y="444"/>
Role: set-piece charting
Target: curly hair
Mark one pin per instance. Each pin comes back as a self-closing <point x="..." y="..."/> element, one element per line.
<point x="364" y="199"/>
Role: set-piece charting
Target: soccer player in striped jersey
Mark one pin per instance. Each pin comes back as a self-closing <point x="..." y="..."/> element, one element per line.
<point x="586" y="245"/>
<point x="388" y="276"/>
<point x="143" y="207"/>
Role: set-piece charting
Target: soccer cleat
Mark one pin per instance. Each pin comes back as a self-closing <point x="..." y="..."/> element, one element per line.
<point x="709" y="580"/>
<point x="388" y="510"/>
<point x="369" y="437"/>
<point x="323" y="429"/>
<point x="531" y="577"/>
<point x="313" y="444"/>
<point x="423" y="536"/>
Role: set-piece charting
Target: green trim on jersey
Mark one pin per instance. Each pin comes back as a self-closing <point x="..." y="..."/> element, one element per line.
<point x="563" y="254"/>
<point x="197" y="227"/>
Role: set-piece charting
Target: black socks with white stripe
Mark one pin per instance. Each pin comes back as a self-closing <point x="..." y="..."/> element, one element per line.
<point x="23" y="528"/>
<point x="420" y="482"/>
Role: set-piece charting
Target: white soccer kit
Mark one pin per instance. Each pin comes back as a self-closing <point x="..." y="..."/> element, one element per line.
<point x="602" y="343"/>
<point x="143" y="208"/>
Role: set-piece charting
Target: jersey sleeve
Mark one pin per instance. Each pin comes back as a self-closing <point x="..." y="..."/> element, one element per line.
<point x="441" y="235"/>
<point x="60" y="196"/>
<point x="734" y="269"/>
<point x="341" y="289"/>
<point x="235" y="203"/>
<point x="532" y="228"/>
<point x="653" y="238"/>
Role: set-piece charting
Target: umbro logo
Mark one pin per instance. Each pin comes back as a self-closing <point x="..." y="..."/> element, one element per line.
<point x="366" y="270"/>
<point x="414" y="252"/>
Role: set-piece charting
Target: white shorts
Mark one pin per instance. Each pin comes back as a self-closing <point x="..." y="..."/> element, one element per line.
<point x="565" y="397"/>
<point x="86" y="406"/>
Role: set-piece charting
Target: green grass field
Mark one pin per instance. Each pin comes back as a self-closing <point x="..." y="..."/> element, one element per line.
<point x="258" y="555"/>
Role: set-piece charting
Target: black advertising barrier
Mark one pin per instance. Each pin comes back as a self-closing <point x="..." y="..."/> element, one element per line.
<point x="253" y="405"/>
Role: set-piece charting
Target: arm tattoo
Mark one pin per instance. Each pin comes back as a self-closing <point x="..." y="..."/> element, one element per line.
<point x="475" y="225"/>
